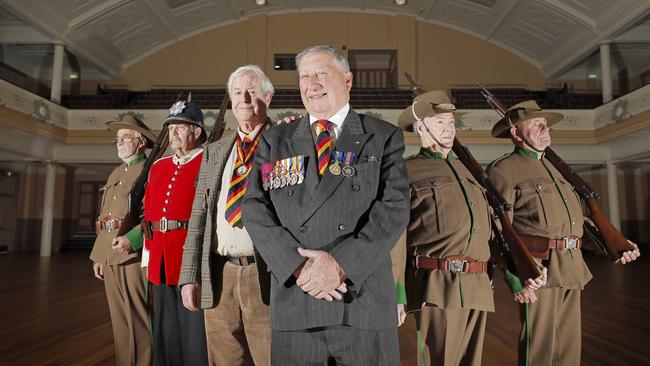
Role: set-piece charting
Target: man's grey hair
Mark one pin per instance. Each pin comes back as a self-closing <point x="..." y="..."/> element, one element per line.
<point x="340" y="60"/>
<point x="267" y="87"/>
<point x="138" y="135"/>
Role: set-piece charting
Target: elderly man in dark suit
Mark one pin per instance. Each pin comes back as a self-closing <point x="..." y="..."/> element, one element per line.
<point x="220" y="272"/>
<point x="326" y="202"/>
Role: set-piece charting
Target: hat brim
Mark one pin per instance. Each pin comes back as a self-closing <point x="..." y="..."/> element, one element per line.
<point x="501" y="129"/>
<point x="118" y="125"/>
<point x="406" y="118"/>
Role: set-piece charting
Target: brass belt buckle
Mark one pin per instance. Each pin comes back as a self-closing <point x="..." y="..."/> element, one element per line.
<point x="109" y="225"/>
<point x="163" y="225"/>
<point x="571" y="243"/>
<point x="456" y="265"/>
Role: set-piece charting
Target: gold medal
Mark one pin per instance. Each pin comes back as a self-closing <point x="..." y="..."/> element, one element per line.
<point x="348" y="170"/>
<point x="335" y="168"/>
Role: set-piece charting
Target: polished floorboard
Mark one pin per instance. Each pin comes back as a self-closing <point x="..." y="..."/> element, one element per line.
<point x="54" y="312"/>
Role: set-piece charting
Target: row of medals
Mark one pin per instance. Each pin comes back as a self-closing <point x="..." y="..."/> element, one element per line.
<point x="284" y="178"/>
<point x="336" y="169"/>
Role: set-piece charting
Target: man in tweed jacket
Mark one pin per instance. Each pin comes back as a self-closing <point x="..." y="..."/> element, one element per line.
<point x="327" y="238"/>
<point x="221" y="273"/>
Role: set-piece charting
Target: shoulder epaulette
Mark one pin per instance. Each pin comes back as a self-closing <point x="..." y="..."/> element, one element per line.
<point x="497" y="160"/>
<point x="163" y="158"/>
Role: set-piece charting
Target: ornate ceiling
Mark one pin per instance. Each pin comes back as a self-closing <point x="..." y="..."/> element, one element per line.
<point x="112" y="34"/>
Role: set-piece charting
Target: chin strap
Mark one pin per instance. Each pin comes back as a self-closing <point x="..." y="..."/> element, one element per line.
<point x="431" y="135"/>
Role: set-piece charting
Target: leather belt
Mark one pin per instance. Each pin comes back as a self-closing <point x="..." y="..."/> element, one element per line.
<point x="452" y="263"/>
<point x="539" y="246"/>
<point x="165" y="225"/>
<point x="242" y="261"/>
<point x="108" y="223"/>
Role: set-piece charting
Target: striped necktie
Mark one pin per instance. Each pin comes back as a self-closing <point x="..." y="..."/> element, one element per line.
<point x="238" y="182"/>
<point x="323" y="144"/>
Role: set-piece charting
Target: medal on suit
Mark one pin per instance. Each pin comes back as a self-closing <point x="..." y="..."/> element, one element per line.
<point x="277" y="180"/>
<point x="266" y="176"/>
<point x="284" y="175"/>
<point x="293" y="176"/>
<point x="242" y="170"/>
<point x="335" y="166"/>
<point x="348" y="170"/>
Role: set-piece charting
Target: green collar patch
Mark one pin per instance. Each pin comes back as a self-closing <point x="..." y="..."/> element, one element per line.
<point x="522" y="151"/>
<point x="426" y="153"/>
<point x="137" y="160"/>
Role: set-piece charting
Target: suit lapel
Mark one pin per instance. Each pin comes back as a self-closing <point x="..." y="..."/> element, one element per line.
<point x="223" y="148"/>
<point x="352" y="139"/>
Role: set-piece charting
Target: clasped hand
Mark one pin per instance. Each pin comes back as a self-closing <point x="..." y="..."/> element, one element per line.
<point x="320" y="276"/>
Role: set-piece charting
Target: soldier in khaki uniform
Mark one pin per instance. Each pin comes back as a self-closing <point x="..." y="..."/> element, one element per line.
<point x="548" y="217"/>
<point x="125" y="281"/>
<point x="447" y="251"/>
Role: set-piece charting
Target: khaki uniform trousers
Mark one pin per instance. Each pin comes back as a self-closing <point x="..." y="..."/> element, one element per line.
<point x="450" y="337"/>
<point x="237" y="328"/>
<point x="554" y="329"/>
<point x="126" y="291"/>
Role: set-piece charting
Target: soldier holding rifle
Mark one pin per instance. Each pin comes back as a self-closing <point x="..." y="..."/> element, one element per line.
<point x="548" y="217"/>
<point x="447" y="282"/>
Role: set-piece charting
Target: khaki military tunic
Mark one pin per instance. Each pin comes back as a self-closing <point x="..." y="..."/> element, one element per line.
<point x="546" y="205"/>
<point x="124" y="280"/>
<point x="115" y="203"/>
<point x="449" y="216"/>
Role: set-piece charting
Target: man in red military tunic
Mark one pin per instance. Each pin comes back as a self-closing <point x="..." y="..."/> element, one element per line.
<point x="179" y="334"/>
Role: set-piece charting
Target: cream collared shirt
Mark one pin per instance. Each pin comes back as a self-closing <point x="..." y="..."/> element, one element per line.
<point x="337" y="119"/>
<point x="187" y="157"/>
<point x="231" y="241"/>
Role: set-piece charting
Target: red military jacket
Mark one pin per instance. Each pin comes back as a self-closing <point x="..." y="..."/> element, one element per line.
<point x="169" y="193"/>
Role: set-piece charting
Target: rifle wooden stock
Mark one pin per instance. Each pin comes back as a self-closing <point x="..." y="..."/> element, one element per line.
<point x="219" y="125"/>
<point x="614" y="241"/>
<point x="133" y="216"/>
<point x="524" y="264"/>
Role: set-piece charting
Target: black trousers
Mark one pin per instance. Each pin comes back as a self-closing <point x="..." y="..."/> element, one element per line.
<point x="178" y="334"/>
<point x="335" y="345"/>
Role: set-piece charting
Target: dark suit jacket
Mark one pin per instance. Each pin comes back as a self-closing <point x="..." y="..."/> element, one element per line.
<point x="356" y="219"/>
<point x="196" y="266"/>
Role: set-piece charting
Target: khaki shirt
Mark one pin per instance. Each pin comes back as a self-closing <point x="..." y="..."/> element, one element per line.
<point x="449" y="216"/>
<point x="115" y="203"/>
<point x="544" y="204"/>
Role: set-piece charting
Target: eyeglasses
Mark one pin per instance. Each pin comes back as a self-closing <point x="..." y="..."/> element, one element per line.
<point x="124" y="139"/>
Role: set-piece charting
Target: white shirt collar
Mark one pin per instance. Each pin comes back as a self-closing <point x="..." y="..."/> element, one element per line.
<point x="187" y="157"/>
<point x="337" y="119"/>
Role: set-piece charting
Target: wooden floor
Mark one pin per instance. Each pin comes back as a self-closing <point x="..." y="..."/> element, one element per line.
<point x="54" y="312"/>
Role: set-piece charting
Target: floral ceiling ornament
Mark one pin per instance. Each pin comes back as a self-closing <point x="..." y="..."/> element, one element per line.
<point x="570" y="121"/>
<point x="487" y="121"/>
<point x="620" y="111"/>
<point x="90" y="121"/>
<point x="41" y="110"/>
